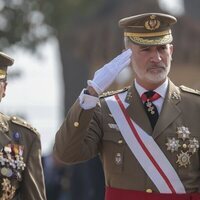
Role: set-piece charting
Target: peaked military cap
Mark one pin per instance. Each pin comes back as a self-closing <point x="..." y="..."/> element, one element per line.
<point x="5" y="61"/>
<point x="148" y="28"/>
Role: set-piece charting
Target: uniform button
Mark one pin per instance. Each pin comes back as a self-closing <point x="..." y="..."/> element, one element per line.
<point x="14" y="118"/>
<point x="184" y="146"/>
<point x="76" y="124"/>
<point x="149" y="190"/>
<point x="120" y="141"/>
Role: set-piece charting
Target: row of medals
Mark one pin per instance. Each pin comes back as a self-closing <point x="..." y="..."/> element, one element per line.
<point x="185" y="143"/>
<point x="11" y="161"/>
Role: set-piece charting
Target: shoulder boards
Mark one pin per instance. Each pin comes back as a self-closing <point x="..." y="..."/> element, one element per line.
<point x="110" y="93"/>
<point x="22" y="122"/>
<point x="190" y="90"/>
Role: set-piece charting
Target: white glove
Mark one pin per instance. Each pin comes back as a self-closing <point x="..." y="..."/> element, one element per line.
<point x="104" y="77"/>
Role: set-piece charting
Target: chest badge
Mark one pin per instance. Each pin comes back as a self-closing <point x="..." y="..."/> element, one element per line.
<point x="184" y="144"/>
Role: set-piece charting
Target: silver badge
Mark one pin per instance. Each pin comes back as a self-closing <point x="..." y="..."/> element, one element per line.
<point x="183" y="132"/>
<point x="118" y="158"/>
<point x="183" y="159"/>
<point x="193" y="145"/>
<point x="172" y="144"/>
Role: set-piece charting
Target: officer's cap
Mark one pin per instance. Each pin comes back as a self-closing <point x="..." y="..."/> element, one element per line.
<point x="148" y="28"/>
<point x="5" y="61"/>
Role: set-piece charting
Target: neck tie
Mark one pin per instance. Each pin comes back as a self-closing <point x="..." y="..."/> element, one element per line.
<point x="151" y="110"/>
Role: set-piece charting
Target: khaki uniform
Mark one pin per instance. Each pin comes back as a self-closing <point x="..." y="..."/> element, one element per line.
<point x="20" y="161"/>
<point x="86" y="133"/>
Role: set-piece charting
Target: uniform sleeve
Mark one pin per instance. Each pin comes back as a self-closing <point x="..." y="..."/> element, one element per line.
<point x="78" y="139"/>
<point x="33" y="187"/>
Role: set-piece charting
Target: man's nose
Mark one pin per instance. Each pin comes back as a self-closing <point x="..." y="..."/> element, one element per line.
<point x="155" y="57"/>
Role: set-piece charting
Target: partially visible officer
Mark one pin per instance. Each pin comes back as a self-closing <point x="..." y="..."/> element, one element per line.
<point x="147" y="134"/>
<point x="21" y="172"/>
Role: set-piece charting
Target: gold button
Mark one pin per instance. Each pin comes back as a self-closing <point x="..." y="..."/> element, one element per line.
<point x="76" y="124"/>
<point x="149" y="190"/>
<point x="14" y="118"/>
<point x="184" y="146"/>
<point x="120" y="141"/>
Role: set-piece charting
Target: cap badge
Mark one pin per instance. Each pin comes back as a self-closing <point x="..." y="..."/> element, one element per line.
<point x="152" y="24"/>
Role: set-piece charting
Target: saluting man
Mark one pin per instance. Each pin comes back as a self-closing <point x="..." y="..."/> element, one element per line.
<point x="21" y="173"/>
<point x="147" y="134"/>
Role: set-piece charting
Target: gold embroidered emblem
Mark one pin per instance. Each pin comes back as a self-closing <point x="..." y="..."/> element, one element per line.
<point x="152" y="24"/>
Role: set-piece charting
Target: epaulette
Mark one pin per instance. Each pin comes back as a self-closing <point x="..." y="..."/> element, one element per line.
<point x="190" y="90"/>
<point x="22" y="122"/>
<point x="110" y="93"/>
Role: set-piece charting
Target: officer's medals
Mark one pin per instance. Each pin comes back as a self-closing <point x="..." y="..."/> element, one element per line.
<point x="172" y="144"/>
<point x="11" y="161"/>
<point x="150" y="107"/>
<point x="184" y="145"/>
<point x="183" y="159"/>
<point x="183" y="133"/>
<point x="8" y="189"/>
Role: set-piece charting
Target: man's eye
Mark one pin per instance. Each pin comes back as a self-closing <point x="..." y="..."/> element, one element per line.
<point x="145" y="49"/>
<point x="163" y="47"/>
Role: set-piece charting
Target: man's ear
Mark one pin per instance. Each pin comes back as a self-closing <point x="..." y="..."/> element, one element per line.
<point x="5" y="86"/>
<point x="171" y="49"/>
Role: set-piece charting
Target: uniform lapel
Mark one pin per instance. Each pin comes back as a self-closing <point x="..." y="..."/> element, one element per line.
<point x="136" y="110"/>
<point x="170" y="110"/>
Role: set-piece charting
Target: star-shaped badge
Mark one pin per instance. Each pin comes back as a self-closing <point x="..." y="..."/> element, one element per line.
<point x="183" y="132"/>
<point x="172" y="144"/>
<point x="183" y="159"/>
<point x="193" y="145"/>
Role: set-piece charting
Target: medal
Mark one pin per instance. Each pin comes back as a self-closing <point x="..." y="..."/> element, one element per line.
<point x="172" y="144"/>
<point x="183" y="159"/>
<point x="150" y="107"/>
<point x="193" y="145"/>
<point x="183" y="132"/>
<point x="6" y="172"/>
<point x="8" y="190"/>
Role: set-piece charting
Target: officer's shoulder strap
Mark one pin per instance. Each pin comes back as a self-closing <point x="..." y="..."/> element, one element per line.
<point x="110" y="93"/>
<point x="21" y="122"/>
<point x="189" y="90"/>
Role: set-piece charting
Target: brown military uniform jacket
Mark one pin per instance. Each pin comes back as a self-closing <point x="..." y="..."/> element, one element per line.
<point x="86" y="133"/>
<point x="20" y="161"/>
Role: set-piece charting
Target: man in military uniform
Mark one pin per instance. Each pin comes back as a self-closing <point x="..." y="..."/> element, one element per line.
<point x="147" y="134"/>
<point x="21" y="173"/>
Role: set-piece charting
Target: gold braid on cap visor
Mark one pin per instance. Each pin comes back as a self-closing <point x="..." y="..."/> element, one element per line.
<point x="154" y="34"/>
<point x="150" y="40"/>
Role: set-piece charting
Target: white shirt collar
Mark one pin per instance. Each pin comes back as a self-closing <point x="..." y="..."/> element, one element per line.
<point x="161" y="90"/>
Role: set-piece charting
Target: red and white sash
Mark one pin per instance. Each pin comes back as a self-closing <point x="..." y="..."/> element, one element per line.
<point x="145" y="149"/>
